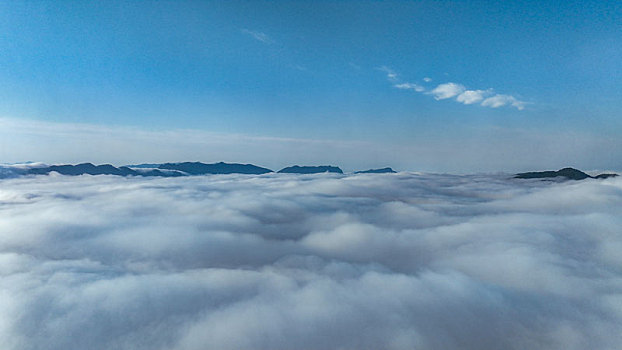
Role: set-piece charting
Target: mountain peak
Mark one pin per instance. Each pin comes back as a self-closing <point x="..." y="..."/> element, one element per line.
<point x="568" y="173"/>
<point x="198" y="168"/>
<point x="296" y="169"/>
<point x="376" y="171"/>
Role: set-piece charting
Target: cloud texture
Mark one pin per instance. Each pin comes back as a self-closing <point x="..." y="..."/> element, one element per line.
<point x="410" y="86"/>
<point x="486" y="98"/>
<point x="396" y="261"/>
<point x="458" y="92"/>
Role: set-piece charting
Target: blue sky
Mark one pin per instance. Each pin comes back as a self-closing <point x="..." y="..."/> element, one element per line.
<point x="494" y="79"/>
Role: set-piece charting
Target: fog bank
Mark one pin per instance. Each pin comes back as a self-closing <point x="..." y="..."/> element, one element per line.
<point x="278" y="261"/>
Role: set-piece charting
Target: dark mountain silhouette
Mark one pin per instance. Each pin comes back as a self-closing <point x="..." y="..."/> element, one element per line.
<point x="144" y="165"/>
<point x="376" y="171"/>
<point x="604" y="176"/>
<point x="311" y="169"/>
<point x="164" y="170"/>
<point x="156" y="172"/>
<point x="90" y="169"/>
<point x="84" y="168"/>
<point x="198" y="168"/>
<point x="568" y="173"/>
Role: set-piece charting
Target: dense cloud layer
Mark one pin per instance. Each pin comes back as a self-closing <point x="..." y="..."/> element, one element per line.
<point x="395" y="261"/>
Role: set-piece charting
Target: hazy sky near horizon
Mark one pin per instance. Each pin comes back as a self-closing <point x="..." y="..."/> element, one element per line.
<point x="438" y="86"/>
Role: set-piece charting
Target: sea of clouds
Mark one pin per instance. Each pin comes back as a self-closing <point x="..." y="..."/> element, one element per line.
<point x="279" y="261"/>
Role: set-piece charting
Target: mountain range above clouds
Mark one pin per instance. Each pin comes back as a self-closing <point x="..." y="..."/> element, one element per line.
<point x="310" y="169"/>
<point x="187" y="169"/>
<point x="567" y="173"/>
<point x="376" y="171"/>
<point x="198" y="168"/>
<point x="164" y="169"/>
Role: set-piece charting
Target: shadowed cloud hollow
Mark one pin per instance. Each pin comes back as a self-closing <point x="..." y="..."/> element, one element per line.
<point x="391" y="261"/>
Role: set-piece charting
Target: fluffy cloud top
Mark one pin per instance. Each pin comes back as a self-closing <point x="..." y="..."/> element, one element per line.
<point x="471" y="96"/>
<point x="503" y="100"/>
<point x="447" y="90"/>
<point x="487" y="97"/>
<point x="397" y="261"/>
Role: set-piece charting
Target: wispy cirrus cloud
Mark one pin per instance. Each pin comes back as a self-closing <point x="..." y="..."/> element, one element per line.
<point x="410" y="86"/>
<point x="259" y="36"/>
<point x="456" y="91"/>
<point x="391" y="75"/>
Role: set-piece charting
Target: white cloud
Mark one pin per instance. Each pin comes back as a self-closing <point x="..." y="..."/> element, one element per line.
<point x="391" y="75"/>
<point x="263" y="37"/>
<point x="497" y="101"/>
<point x="471" y="96"/>
<point x="410" y="86"/>
<point x="462" y="95"/>
<point x="458" y="91"/>
<point x="281" y="262"/>
<point x="447" y="90"/>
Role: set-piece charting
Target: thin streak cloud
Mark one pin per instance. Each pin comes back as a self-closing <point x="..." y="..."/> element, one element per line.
<point x="391" y="75"/>
<point x="259" y="36"/>
<point x="410" y="86"/>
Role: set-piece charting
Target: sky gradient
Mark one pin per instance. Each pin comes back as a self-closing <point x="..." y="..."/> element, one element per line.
<point x="432" y="86"/>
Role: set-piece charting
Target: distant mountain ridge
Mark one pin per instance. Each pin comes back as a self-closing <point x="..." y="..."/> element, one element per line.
<point x="144" y="165"/>
<point x="310" y="169"/>
<point x="83" y="168"/>
<point x="377" y="171"/>
<point x="173" y="169"/>
<point x="568" y="173"/>
<point x="162" y="170"/>
<point x="198" y="168"/>
<point x="105" y="169"/>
